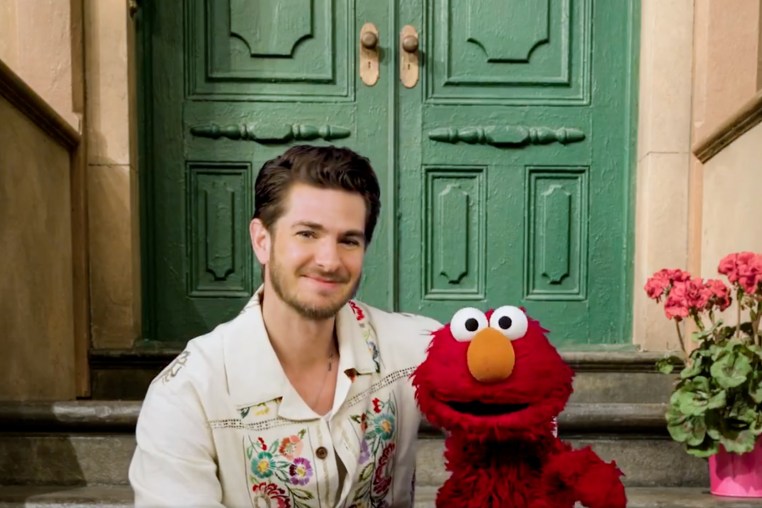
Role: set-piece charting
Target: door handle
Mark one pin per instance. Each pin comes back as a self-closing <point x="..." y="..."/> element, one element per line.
<point x="409" y="56"/>
<point x="369" y="54"/>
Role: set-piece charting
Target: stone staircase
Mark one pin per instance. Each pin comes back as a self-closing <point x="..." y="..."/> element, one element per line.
<point x="70" y="454"/>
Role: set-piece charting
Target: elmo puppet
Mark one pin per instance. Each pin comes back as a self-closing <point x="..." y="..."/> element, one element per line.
<point x="495" y="384"/>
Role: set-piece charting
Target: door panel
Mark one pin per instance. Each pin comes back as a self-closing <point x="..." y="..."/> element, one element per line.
<point x="504" y="169"/>
<point x="508" y="52"/>
<point x="234" y="83"/>
<point x="516" y="201"/>
<point x="280" y="51"/>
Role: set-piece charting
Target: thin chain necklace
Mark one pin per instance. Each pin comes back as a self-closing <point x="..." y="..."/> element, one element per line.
<point x="331" y="355"/>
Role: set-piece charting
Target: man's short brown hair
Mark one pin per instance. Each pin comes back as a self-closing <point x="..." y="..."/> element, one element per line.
<point x="326" y="167"/>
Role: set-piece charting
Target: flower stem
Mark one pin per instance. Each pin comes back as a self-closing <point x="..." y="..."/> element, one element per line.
<point x="738" y="313"/>
<point x="680" y="337"/>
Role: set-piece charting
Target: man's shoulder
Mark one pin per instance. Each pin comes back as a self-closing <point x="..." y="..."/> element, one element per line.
<point x="202" y="357"/>
<point x="400" y="320"/>
<point x="401" y="335"/>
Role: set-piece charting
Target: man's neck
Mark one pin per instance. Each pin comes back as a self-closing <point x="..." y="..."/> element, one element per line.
<point x="299" y="342"/>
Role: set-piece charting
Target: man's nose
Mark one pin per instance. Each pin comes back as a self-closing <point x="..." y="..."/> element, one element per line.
<point x="327" y="255"/>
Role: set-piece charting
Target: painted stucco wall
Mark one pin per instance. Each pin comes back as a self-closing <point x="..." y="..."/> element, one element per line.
<point x="661" y="194"/>
<point x="36" y="309"/>
<point x="114" y="237"/>
<point x="36" y="42"/>
<point x="726" y="57"/>
<point x="732" y="206"/>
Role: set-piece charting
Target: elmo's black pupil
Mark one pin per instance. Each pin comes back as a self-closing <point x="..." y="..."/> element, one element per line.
<point x="504" y="322"/>
<point x="472" y="324"/>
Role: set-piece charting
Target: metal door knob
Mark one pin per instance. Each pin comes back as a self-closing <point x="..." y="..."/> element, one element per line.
<point x="369" y="40"/>
<point x="410" y="43"/>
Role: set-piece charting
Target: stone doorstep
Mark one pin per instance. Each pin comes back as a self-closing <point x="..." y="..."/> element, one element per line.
<point x="121" y="496"/>
<point x="84" y="459"/>
<point x="91" y="442"/>
<point x="122" y="416"/>
<point x="601" y="376"/>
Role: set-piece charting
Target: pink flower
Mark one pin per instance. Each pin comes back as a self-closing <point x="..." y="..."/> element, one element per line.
<point x="720" y="294"/>
<point x="291" y="447"/>
<point x="744" y="269"/>
<point x="687" y="297"/>
<point x="663" y="280"/>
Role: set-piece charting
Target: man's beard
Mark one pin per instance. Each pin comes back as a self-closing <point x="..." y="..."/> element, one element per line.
<point x="312" y="312"/>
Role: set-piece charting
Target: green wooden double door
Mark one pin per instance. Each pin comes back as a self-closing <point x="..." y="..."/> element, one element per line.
<point x="500" y="130"/>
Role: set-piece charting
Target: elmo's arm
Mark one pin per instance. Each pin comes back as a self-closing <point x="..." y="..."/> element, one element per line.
<point x="582" y="476"/>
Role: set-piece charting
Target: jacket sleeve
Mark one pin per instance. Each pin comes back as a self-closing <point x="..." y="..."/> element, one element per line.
<point x="175" y="461"/>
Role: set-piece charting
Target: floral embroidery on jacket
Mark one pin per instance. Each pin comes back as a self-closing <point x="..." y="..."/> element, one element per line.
<point x="367" y="334"/>
<point x="359" y="314"/>
<point x="278" y="471"/>
<point x="260" y="409"/>
<point x="171" y="370"/>
<point x="378" y="425"/>
<point x="263" y="494"/>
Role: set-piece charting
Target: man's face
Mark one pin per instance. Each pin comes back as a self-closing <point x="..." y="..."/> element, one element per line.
<point x="315" y="250"/>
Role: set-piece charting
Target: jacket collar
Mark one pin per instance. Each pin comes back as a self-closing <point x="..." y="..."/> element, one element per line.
<point x="253" y="371"/>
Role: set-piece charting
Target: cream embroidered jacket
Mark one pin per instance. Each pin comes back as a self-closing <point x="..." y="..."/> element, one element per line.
<point x="222" y="425"/>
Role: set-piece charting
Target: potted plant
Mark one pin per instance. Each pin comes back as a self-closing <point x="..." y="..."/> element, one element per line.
<point x="716" y="407"/>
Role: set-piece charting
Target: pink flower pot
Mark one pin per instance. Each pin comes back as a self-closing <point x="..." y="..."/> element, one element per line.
<point x="736" y="475"/>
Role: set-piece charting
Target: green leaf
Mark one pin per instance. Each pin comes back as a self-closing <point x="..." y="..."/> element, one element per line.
<point x="726" y="332"/>
<point x="692" y="396"/>
<point x="715" y="424"/>
<point x="366" y="473"/>
<point x="756" y="426"/>
<point x="755" y="387"/>
<point x="718" y="400"/>
<point x="665" y="365"/>
<point x="742" y="410"/>
<point x="706" y="449"/>
<point x="756" y="350"/>
<point x="739" y="442"/>
<point x="694" y="368"/>
<point x="301" y="493"/>
<point x="730" y="369"/>
<point x="691" y="431"/>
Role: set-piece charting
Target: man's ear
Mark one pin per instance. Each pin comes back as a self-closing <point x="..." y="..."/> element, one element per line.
<point x="261" y="241"/>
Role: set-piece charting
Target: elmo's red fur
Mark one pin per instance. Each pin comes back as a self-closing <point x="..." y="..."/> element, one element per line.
<point x="501" y="448"/>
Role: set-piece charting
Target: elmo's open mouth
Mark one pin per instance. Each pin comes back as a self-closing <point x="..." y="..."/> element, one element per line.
<point x="478" y="408"/>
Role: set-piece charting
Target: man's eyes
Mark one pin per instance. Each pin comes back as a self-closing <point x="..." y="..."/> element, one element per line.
<point x="351" y="241"/>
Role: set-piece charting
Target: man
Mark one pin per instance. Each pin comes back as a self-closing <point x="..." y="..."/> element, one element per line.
<point x="304" y="399"/>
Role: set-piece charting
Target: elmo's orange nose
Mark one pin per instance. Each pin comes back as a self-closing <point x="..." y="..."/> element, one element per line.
<point x="490" y="356"/>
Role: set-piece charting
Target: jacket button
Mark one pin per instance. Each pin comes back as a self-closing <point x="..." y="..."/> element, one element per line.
<point x="321" y="453"/>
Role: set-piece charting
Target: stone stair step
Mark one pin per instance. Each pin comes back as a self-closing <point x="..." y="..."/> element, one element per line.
<point x="122" y="416"/>
<point x="644" y="462"/>
<point x="122" y="496"/>
<point x="65" y="458"/>
<point x="643" y="497"/>
<point x="106" y="496"/>
<point x="92" y="442"/>
<point x="601" y="376"/>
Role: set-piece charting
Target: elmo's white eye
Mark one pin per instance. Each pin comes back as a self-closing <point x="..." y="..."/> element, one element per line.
<point x="510" y="321"/>
<point x="466" y="322"/>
